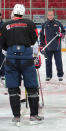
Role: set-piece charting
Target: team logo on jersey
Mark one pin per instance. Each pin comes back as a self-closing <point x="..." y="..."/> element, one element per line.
<point x="8" y="27"/>
<point x="13" y="25"/>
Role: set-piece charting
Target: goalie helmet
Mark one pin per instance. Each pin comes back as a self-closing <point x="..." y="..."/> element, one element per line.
<point x="19" y="9"/>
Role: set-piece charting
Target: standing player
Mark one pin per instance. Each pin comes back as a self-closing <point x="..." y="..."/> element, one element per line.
<point x="17" y="37"/>
<point x="49" y="30"/>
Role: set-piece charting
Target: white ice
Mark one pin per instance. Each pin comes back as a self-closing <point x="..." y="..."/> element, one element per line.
<point x="54" y="111"/>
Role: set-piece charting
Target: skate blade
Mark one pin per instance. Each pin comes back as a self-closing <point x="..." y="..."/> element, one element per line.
<point x="36" y="122"/>
<point x="18" y="124"/>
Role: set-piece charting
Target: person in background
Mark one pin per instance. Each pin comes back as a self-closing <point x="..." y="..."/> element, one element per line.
<point x="49" y="30"/>
<point x="2" y="71"/>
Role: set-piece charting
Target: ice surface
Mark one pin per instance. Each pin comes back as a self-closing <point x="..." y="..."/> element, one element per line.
<point x="54" y="111"/>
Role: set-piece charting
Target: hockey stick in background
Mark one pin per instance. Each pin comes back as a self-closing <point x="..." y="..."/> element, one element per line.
<point x="25" y="99"/>
<point x="2" y="63"/>
<point x="40" y="87"/>
<point x="1" y="82"/>
<point x="26" y="95"/>
<point x="43" y="50"/>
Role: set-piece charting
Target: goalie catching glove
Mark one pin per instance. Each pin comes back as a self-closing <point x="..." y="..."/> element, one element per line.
<point x="37" y="61"/>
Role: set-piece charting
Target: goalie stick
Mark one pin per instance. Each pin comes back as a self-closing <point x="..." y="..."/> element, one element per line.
<point x="40" y="87"/>
<point x="37" y="63"/>
<point x="2" y="63"/>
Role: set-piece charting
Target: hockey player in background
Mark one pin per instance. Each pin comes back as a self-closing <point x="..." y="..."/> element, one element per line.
<point x="49" y="30"/>
<point x="17" y="37"/>
<point x="2" y="71"/>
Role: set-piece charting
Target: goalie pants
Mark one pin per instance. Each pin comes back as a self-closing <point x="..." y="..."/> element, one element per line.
<point x="13" y="81"/>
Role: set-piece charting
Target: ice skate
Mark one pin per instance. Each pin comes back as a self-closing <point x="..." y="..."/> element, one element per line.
<point x="60" y="78"/>
<point x="16" y="120"/>
<point x="48" y="79"/>
<point x="36" y="119"/>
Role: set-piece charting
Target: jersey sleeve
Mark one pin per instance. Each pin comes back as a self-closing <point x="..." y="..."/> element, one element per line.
<point x="2" y="40"/>
<point x="42" y="37"/>
<point x="33" y="32"/>
<point x="62" y="28"/>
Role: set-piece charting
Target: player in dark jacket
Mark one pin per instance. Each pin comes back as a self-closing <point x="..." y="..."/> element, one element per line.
<point x="17" y="37"/>
<point x="2" y="72"/>
<point x="49" y="30"/>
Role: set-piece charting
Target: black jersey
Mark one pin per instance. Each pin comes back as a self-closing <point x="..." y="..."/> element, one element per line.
<point x="19" y="31"/>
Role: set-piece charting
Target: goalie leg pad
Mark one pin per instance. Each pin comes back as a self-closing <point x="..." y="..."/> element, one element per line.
<point x="14" y="97"/>
<point x="33" y="99"/>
